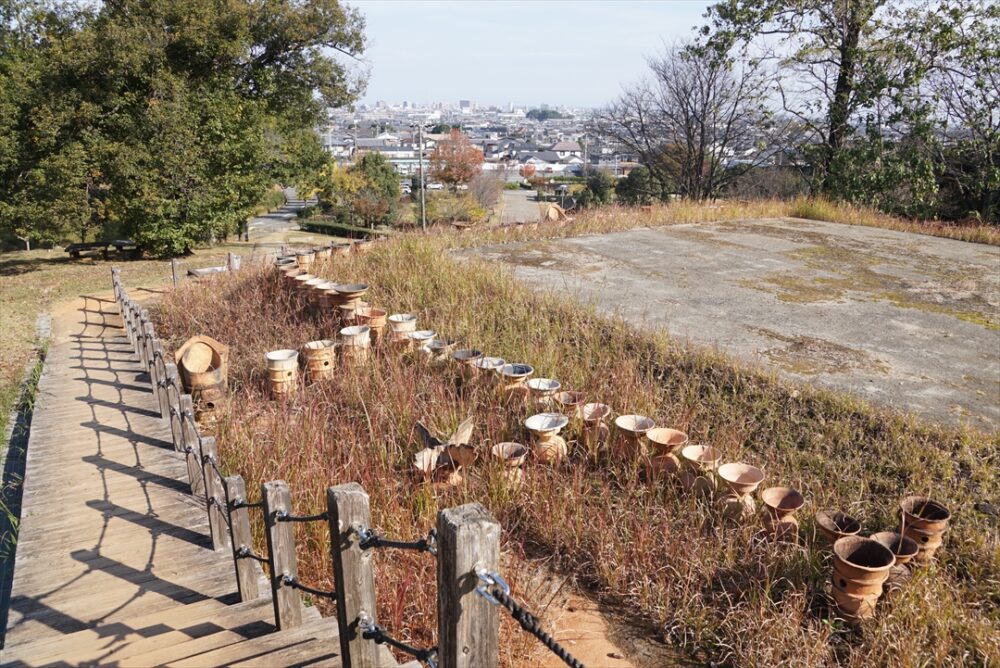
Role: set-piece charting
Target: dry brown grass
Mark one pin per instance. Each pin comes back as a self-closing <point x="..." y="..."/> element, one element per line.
<point x="617" y="218"/>
<point x="711" y="588"/>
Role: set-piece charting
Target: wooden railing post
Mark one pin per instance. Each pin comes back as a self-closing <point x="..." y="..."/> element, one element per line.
<point x="143" y="334"/>
<point x="281" y="552"/>
<point x="468" y="624"/>
<point x="239" y="521"/>
<point x="190" y="437"/>
<point x="215" y="494"/>
<point x="159" y="374"/>
<point x="174" y="399"/>
<point x="353" y="576"/>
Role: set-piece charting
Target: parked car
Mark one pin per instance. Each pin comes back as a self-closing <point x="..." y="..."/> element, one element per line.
<point x="435" y="186"/>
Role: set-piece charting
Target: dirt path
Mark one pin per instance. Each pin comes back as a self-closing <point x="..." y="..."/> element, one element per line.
<point x="903" y="320"/>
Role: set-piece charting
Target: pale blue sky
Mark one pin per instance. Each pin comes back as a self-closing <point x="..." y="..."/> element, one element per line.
<point x="527" y="52"/>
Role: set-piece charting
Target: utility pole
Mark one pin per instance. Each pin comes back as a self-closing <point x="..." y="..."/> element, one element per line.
<point x="423" y="182"/>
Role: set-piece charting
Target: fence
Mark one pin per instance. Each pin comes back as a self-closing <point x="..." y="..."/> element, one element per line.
<point x="465" y="542"/>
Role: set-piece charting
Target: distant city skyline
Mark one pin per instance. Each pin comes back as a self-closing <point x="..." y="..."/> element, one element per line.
<point x="562" y="53"/>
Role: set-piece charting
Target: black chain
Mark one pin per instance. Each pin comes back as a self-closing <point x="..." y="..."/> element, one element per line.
<point x="371" y="539"/>
<point x="372" y="631"/>
<point x="499" y="594"/>
<point x="293" y="582"/>
<point x="285" y="516"/>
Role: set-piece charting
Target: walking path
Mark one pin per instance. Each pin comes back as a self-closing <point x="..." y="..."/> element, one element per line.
<point x="114" y="565"/>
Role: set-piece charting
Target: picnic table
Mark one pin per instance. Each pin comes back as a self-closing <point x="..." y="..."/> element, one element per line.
<point x="102" y="248"/>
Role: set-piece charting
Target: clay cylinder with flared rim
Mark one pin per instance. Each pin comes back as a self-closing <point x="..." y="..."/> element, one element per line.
<point x="857" y="587"/>
<point x="662" y="466"/>
<point x="927" y="542"/>
<point x="375" y="318"/>
<point x="549" y="448"/>
<point x="305" y="258"/>
<point x="925" y="514"/>
<point x="354" y="343"/>
<point x="322" y="253"/>
<point x="401" y="325"/>
<point x="854" y="608"/>
<point x="319" y="357"/>
<point x="282" y="370"/>
<point x="862" y="559"/>
<point x="341" y="249"/>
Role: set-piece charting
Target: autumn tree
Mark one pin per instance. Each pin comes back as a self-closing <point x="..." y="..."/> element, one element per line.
<point x="455" y="160"/>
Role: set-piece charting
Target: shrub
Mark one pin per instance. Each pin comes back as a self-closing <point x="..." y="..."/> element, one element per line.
<point x="452" y="207"/>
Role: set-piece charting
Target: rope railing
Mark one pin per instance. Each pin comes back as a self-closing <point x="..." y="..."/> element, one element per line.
<point x="372" y="631"/>
<point x="370" y="539"/>
<point x="465" y="541"/>
<point x="496" y="590"/>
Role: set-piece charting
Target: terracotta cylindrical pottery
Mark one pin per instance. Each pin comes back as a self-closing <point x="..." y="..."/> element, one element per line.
<point x="319" y="357"/>
<point x="300" y="281"/>
<point x="665" y="441"/>
<point x="489" y="368"/>
<point x="305" y="258"/>
<point x="927" y="542"/>
<point x="362" y="246"/>
<point x="737" y="507"/>
<point x="633" y="429"/>
<point x="354" y="343"/>
<point x="925" y="514"/>
<point x="902" y="547"/>
<point x="570" y="402"/>
<point x="862" y="560"/>
<point x="421" y="338"/>
<point x="854" y="608"/>
<point x="283" y="263"/>
<point x="375" y="318"/>
<point x="782" y="502"/>
<point x="835" y="525"/>
<point x="510" y="453"/>
<point x="282" y="371"/>
<point x="782" y="529"/>
<point x="401" y="325"/>
<point x="595" y="431"/>
<point x="548" y="446"/>
<point x="542" y="390"/>
<point x="514" y="376"/>
<point x="341" y="249"/>
<point x="351" y="293"/>
<point x="742" y="479"/>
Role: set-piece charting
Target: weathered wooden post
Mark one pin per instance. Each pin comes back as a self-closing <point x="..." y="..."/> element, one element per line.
<point x="353" y="575"/>
<point x="173" y="270"/>
<point x="215" y="493"/>
<point x="239" y="521"/>
<point x="149" y="339"/>
<point x="159" y="375"/>
<point x="468" y="624"/>
<point x="174" y="399"/>
<point x="143" y="338"/>
<point x="191" y="438"/>
<point x="281" y="552"/>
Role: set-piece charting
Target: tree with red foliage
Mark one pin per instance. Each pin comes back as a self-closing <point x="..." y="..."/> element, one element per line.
<point x="455" y="160"/>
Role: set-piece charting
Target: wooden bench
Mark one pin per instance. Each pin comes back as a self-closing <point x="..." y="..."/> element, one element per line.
<point x="102" y="247"/>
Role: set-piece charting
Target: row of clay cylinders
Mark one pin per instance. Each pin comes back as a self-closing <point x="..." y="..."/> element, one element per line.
<point x="318" y="357"/>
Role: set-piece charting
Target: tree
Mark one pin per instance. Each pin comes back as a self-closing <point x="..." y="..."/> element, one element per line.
<point x="486" y="187"/>
<point x="455" y="160"/>
<point x="600" y="185"/>
<point x="689" y="119"/>
<point x="164" y="120"/>
<point x="638" y="187"/>
<point x="376" y="200"/>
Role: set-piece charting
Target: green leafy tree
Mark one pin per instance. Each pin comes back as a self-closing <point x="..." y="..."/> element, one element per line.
<point x="638" y="187"/>
<point x="376" y="202"/>
<point x="165" y="120"/>
<point x="601" y="186"/>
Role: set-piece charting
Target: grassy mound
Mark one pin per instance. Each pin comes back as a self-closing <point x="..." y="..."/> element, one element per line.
<point x="668" y="558"/>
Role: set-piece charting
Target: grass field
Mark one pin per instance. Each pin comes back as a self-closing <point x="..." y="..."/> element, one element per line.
<point x="714" y="590"/>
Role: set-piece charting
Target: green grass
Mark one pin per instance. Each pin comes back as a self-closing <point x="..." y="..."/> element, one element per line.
<point x="679" y="570"/>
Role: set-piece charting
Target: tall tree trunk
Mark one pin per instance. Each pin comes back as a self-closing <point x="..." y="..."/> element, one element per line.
<point x="840" y="109"/>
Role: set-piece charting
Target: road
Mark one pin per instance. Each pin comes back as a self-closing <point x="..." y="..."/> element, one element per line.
<point x="904" y="320"/>
<point x="519" y="206"/>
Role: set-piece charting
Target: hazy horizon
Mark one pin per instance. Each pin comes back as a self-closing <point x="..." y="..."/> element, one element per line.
<point x="568" y="52"/>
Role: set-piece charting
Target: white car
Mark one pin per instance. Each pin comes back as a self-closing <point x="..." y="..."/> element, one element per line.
<point x="435" y="186"/>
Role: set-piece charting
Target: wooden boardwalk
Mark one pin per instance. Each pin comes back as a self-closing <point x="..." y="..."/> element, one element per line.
<point x="114" y="564"/>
